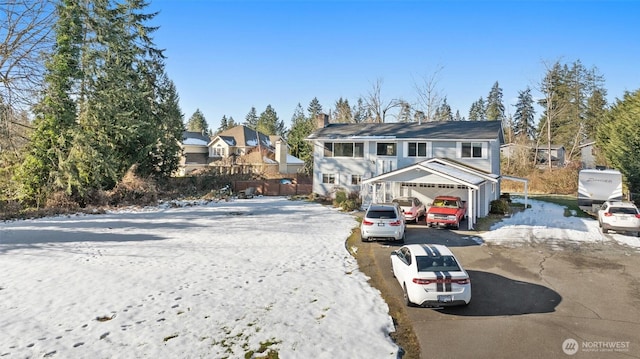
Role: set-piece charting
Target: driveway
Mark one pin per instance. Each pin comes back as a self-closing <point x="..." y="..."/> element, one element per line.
<point x="527" y="301"/>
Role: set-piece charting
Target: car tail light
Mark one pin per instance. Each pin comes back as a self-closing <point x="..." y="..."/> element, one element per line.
<point x="367" y="223"/>
<point x="395" y="223"/>
<point x="409" y="212"/>
<point x="423" y="281"/>
<point x="608" y="214"/>
<point x="638" y="215"/>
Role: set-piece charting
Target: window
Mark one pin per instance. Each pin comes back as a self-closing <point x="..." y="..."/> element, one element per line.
<point x="417" y="149"/>
<point x="343" y="149"/>
<point x="328" y="178"/>
<point x="385" y="149"/>
<point x="471" y="150"/>
<point x="218" y="151"/>
<point x="356" y="179"/>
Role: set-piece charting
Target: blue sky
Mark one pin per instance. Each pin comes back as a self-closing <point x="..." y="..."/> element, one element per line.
<point x="228" y="56"/>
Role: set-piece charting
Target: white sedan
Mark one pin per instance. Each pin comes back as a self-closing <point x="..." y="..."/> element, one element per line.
<point x="430" y="276"/>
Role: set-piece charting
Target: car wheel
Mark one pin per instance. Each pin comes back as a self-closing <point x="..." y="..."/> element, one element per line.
<point x="364" y="239"/>
<point x="407" y="301"/>
<point x="604" y="230"/>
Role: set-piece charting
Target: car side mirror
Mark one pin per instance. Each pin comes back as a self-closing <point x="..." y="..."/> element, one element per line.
<point x="394" y="253"/>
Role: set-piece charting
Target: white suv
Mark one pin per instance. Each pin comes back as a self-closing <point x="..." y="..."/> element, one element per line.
<point x="619" y="216"/>
<point x="383" y="221"/>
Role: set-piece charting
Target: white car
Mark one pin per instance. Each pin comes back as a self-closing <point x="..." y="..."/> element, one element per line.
<point x="619" y="216"/>
<point x="430" y="276"/>
<point x="383" y="221"/>
<point x="412" y="208"/>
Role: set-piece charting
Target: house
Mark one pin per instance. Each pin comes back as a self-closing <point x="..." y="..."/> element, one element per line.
<point x="386" y="160"/>
<point x="237" y="150"/>
<point x="541" y="153"/>
<point x="588" y="154"/>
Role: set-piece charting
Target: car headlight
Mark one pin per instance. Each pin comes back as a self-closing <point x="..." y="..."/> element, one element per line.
<point x="451" y="218"/>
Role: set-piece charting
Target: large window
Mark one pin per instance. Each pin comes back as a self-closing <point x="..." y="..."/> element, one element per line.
<point x="417" y="149"/>
<point x="471" y="150"/>
<point x="356" y="179"/>
<point x="344" y="149"/>
<point x="386" y="149"/>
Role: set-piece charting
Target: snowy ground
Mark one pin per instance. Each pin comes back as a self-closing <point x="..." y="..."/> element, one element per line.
<point x="546" y="223"/>
<point x="213" y="280"/>
<point x="209" y="281"/>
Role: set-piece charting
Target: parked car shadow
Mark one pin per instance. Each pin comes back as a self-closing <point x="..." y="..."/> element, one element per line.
<point x="420" y="233"/>
<point x="495" y="295"/>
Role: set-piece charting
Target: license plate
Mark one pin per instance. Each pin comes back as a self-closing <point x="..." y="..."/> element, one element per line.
<point x="381" y="224"/>
<point x="444" y="298"/>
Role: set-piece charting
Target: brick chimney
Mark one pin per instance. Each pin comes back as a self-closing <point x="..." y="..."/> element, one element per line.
<point x="322" y="120"/>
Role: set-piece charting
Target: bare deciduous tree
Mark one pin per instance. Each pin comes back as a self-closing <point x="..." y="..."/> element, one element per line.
<point x="377" y="106"/>
<point x="26" y="29"/>
<point x="429" y="96"/>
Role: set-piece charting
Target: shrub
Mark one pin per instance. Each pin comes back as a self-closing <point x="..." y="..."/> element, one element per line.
<point x="499" y="206"/>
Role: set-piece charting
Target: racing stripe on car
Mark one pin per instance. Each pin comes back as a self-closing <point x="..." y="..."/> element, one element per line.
<point x="436" y="252"/>
<point x="428" y="250"/>
<point x="447" y="281"/>
<point x="439" y="278"/>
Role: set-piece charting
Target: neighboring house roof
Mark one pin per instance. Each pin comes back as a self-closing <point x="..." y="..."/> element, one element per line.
<point x="442" y="167"/>
<point x="447" y="130"/>
<point x="243" y="136"/>
<point x="195" y="138"/>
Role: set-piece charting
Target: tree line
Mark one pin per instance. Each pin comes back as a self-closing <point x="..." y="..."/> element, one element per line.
<point x="102" y="103"/>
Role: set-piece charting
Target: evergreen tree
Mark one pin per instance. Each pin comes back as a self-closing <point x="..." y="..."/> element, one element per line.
<point x="224" y="124"/>
<point x="523" y="119"/>
<point x="109" y="104"/>
<point x="43" y="170"/>
<point x="197" y="122"/>
<point x="443" y="112"/>
<point x="360" y="112"/>
<point x="457" y="116"/>
<point x="269" y="124"/>
<point x="251" y="120"/>
<point x="495" y="107"/>
<point x="617" y="138"/>
<point x="301" y="128"/>
<point x="477" y="112"/>
<point x="231" y="123"/>
<point x="314" y="108"/>
<point x="342" y="112"/>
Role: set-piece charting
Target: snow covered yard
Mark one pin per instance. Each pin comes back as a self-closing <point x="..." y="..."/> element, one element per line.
<point x="545" y="223"/>
<point x="212" y="280"/>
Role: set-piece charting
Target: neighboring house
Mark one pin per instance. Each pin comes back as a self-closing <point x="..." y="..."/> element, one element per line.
<point x="237" y="150"/>
<point x="541" y="154"/>
<point x="386" y="160"/>
<point x="588" y="154"/>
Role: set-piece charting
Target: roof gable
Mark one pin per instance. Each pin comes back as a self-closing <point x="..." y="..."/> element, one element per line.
<point x="243" y="136"/>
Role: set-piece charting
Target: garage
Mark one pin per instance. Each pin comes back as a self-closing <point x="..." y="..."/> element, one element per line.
<point x="432" y="178"/>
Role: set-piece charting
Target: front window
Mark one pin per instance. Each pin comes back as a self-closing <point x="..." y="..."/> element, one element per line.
<point x="218" y="151"/>
<point x="328" y="178"/>
<point x="386" y="149"/>
<point x="344" y="149"/>
<point x="471" y="150"/>
<point x="356" y="179"/>
<point x="417" y="149"/>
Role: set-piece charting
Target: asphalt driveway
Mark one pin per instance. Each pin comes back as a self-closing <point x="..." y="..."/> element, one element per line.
<point x="529" y="301"/>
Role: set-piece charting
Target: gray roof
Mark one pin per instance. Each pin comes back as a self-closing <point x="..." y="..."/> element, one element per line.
<point x="447" y="130"/>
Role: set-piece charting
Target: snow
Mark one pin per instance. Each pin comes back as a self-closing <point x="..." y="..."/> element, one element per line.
<point x="214" y="280"/>
<point x="546" y="223"/>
